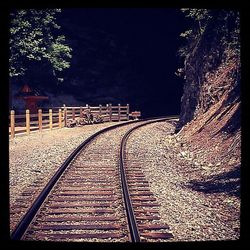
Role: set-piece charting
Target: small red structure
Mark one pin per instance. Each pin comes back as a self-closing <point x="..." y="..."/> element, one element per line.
<point x="31" y="98"/>
<point x="135" y="114"/>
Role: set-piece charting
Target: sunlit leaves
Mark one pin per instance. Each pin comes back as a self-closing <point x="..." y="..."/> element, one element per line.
<point x="210" y="37"/>
<point x="34" y="36"/>
<point x="187" y="33"/>
<point x="197" y="14"/>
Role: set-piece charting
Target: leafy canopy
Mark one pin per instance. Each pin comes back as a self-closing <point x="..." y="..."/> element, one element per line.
<point x="35" y="36"/>
<point x="213" y="35"/>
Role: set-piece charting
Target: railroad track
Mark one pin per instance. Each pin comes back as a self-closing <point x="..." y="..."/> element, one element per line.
<point x="94" y="197"/>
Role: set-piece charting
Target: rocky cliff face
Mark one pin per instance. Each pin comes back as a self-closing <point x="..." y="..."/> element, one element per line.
<point x="210" y="118"/>
<point x="211" y="61"/>
<point x="216" y="122"/>
<point x="211" y="67"/>
<point x="220" y="89"/>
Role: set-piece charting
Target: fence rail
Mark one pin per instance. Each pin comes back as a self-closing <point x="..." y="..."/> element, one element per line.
<point x="50" y="118"/>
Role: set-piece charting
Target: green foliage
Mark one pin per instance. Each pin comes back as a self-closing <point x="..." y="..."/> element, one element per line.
<point x="187" y="33"/>
<point x="197" y="14"/>
<point x="213" y="35"/>
<point x="200" y="16"/>
<point x="35" y="36"/>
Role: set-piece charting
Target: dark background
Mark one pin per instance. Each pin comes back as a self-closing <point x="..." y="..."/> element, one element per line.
<point x="149" y="38"/>
<point x="120" y="55"/>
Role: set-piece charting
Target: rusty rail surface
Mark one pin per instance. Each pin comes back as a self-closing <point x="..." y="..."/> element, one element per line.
<point x="135" y="235"/>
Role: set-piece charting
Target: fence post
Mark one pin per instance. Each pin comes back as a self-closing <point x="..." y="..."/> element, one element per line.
<point x="60" y="118"/>
<point x="107" y="110"/>
<point x="88" y="108"/>
<point x="110" y="112"/>
<point x="40" y="124"/>
<point x="100" y="109"/>
<point x="65" y="115"/>
<point x="73" y="114"/>
<point x="12" y="124"/>
<point x="119" y="112"/>
<point x="81" y="114"/>
<point x="127" y="111"/>
<point x="50" y="119"/>
<point x="28" y="121"/>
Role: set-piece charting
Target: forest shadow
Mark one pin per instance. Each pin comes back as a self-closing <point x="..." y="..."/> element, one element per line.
<point x="228" y="183"/>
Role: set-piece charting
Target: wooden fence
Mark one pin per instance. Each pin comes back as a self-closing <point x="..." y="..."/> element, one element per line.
<point x="57" y="117"/>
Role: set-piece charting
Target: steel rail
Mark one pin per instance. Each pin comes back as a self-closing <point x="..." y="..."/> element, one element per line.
<point x="24" y="223"/>
<point x="21" y="228"/>
<point x="134" y="232"/>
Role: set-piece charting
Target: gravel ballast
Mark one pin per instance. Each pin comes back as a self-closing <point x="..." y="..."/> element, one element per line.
<point x="174" y="173"/>
<point x="192" y="215"/>
<point x="36" y="157"/>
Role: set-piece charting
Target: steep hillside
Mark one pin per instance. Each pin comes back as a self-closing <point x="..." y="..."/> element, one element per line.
<point x="210" y="119"/>
<point x="217" y="129"/>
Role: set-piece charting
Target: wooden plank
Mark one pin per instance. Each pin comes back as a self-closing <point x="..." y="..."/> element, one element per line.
<point x="20" y="116"/>
<point x="20" y="131"/>
<point x="82" y="188"/>
<point x="50" y="119"/>
<point x="135" y="175"/>
<point x="119" y="112"/>
<point x="79" y="227"/>
<point x="127" y="111"/>
<point x="81" y="112"/>
<point x="60" y="118"/>
<point x="137" y="180"/>
<point x="78" y="204"/>
<point x="147" y="217"/>
<point x="86" y="198"/>
<point x="152" y="226"/>
<point x="73" y="114"/>
<point x="81" y="218"/>
<point x="12" y="124"/>
<point x="27" y="121"/>
<point x="93" y="109"/>
<point x="34" y="128"/>
<point x="100" y="109"/>
<point x="33" y="122"/>
<point x="137" y="189"/>
<point x="154" y="235"/>
<point x="145" y="204"/>
<point x="65" y="116"/>
<point x="145" y="210"/>
<point x="80" y="211"/>
<point x="94" y="169"/>
<point x="87" y="193"/>
<point x="138" y="197"/>
<point x="40" y="121"/>
<point x="86" y="186"/>
<point x="92" y="180"/>
<point x="109" y="107"/>
<point x="132" y="185"/>
<point x="60" y="236"/>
